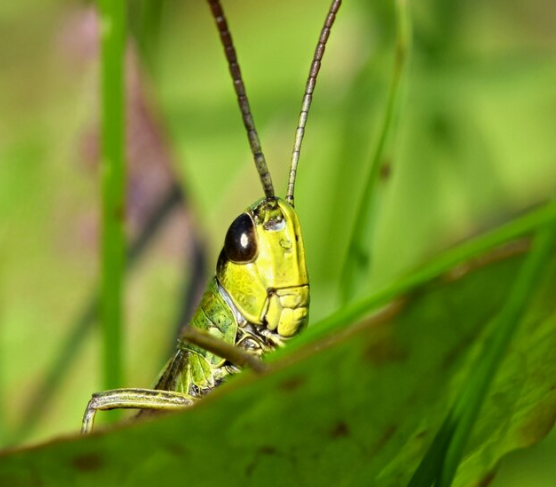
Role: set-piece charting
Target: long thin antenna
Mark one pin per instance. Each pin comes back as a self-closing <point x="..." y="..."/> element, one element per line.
<point x="308" y="96"/>
<point x="226" y="38"/>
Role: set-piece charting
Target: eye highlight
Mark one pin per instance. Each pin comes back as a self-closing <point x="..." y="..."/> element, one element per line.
<point x="240" y="243"/>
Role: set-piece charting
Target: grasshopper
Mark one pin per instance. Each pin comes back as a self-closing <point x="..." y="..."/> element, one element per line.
<point x="259" y="297"/>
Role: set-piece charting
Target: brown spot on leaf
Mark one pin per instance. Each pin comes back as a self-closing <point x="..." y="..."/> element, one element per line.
<point x="383" y="352"/>
<point x="453" y="355"/>
<point x="539" y="423"/>
<point x="385" y="170"/>
<point x="263" y="450"/>
<point x="175" y="449"/>
<point x="341" y="430"/>
<point x="386" y="436"/>
<point x="292" y="384"/>
<point x="119" y="213"/>
<point x="249" y="469"/>
<point x="487" y="479"/>
<point x="88" y="462"/>
<point x="421" y="434"/>
<point x="266" y="450"/>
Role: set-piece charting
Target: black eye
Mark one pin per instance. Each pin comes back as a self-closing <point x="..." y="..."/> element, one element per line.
<point x="240" y="244"/>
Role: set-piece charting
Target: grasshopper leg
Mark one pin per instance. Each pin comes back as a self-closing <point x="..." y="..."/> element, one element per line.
<point x="133" y="399"/>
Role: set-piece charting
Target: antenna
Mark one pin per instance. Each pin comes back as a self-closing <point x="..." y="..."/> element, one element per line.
<point x="308" y="96"/>
<point x="226" y="38"/>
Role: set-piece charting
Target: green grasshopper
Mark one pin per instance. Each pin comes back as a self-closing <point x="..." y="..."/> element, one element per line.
<point x="259" y="297"/>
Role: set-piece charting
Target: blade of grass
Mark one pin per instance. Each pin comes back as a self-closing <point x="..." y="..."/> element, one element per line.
<point x="112" y="39"/>
<point x="359" y="259"/>
<point x="4" y="432"/>
<point x="441" y="461"/>
<point x="467" y="409"/>
<point x="145" y="25"/>
<point x="439" y="265"/>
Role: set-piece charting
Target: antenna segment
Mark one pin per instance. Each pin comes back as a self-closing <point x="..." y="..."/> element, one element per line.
<point x="226" y="38"/>
<point x="308" y="96"/>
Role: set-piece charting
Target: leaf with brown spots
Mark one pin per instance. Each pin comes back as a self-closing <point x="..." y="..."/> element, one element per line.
<point x="358" y="405"/>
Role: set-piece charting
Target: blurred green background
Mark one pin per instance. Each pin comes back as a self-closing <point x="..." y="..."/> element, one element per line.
<point x="473" y="146"/>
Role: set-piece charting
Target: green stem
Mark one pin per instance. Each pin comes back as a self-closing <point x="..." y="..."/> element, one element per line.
<point x="3" y="396"/>
<point x="112" y="37"/>
<point x="359" y="259"/>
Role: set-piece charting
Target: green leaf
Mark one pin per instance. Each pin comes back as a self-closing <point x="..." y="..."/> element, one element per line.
<point x="443" y="458"/>
<point x="358" y="262"/>
<point x="360" y="406"/>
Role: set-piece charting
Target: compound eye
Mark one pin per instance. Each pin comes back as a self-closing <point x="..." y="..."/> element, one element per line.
<point x="240" y="244"/>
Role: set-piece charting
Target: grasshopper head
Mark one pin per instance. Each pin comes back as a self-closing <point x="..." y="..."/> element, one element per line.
<point x="262" y="267"/>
